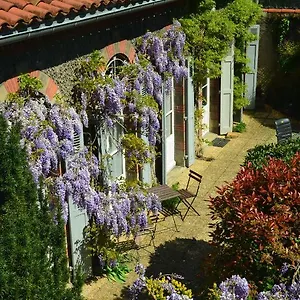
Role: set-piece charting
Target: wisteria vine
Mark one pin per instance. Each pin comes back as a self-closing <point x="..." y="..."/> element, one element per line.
<point x="133" y="98"/>
<point x="47" y="132"/>
<point x="137" y="90"/>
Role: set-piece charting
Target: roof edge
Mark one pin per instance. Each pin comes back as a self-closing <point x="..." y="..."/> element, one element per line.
<point x="47" y="28"/>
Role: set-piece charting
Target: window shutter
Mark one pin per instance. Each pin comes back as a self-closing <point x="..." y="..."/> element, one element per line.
<point x="226" y="94"/>
<point x="78" y="220"/>
<point x="190" y="120"/>
<point x="251" y="77"/>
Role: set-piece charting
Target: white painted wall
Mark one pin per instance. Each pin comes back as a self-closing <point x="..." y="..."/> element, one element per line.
<point x="206" y="107"/>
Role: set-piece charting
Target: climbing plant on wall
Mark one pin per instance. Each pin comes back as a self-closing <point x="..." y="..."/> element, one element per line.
<point x="132" y="100"/>
<point x="243" y="14"/>
<point x="209" y="32"/>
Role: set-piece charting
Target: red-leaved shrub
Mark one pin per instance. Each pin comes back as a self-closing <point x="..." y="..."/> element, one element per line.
<point x="257" y="221"/>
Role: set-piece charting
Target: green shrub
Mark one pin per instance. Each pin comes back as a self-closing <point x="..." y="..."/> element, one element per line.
<point x="239" y="127"/>
<point x="33" y="262"/>
<point x="257" y="223"/>
<point x="260" y="155"/>
<point x="171" y="204"/>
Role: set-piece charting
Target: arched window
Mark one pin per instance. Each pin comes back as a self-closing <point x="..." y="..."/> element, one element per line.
<point x="113" y="66"/>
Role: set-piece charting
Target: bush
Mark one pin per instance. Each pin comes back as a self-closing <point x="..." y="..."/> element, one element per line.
<point x="260" y="155"/>
<point x="163" y="287"/>
<point x="33" y="262"/>
<point x="257" y="224"/>
<point x="239" y="127"/>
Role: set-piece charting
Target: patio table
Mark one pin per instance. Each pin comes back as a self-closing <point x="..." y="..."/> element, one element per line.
<point x="164" y="192"/>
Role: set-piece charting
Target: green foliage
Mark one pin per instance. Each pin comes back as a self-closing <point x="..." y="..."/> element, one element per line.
<point x="29" y="86"/>
<point x="109" y="259"/>
<point x="239" y="127"/>
<point x="259" y="155"/>
<point x="137" y="151"/>
<point x="289" y="53"/>
<point x="208" y="36"/>
<point x="284" y="28"/>
<point x="27" y="82"/>
<point x="156" y="287"/>
<point x="33" y="262"/>
<point x="256" y="225"/>
<point x="210" y="32"/>
<point x="214" y="293"/>
<point x="243" y="13"/>
<point x="171" y="204"/>
<point x="238" y="94"/>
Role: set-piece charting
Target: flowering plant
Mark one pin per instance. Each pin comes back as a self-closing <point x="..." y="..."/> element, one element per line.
<point x="50" y="130"/>
<point x="136" y="150"/>
<point x="257" y="221"/>
<point x="237" y="288"/>
<point x="165" y="287"/>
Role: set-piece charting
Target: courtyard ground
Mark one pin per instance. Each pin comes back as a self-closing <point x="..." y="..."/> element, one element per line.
<point x="183" y="252"/>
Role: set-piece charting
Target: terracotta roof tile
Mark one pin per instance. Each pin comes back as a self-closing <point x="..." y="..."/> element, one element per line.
<point x="11" y="19"/>
<point x="14" y="12"/>
<point x="25" y="15"/>
<point x="3" y="23"/>
<point x="75" y="3"/>
<point x="4" y="5"/>
<point x="40" y="12"/>
<point x="64" y="6"/>
<point x="52" y="9"/>
<point x="89" y="3"/>
<point x="18" y="3"/>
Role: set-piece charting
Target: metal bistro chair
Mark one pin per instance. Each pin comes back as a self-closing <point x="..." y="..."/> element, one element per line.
<point x="283" y="130"/>
<point x="190" y="193"/>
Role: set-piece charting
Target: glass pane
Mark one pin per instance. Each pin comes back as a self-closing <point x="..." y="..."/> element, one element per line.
<point x="169" y="127"/>
<point x="204" y="95"/>
<point x="168" y="102"/>
<point x="114" y="137"/>
<point x="116" y="165"/>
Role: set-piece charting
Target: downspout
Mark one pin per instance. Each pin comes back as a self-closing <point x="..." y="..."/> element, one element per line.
<point x="163" y="142"/>
<point x="56" y="26"/>
<point x="281" y="10"/>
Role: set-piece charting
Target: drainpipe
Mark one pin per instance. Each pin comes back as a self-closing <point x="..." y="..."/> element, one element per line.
<point x="56" y="26"/>
<point x="281" y="10"/>
<point x="163" y="142"/>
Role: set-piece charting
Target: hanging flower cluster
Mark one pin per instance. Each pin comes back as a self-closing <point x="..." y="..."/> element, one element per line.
<point x="99" y="97"/>
<point x="125" y="212"/>
<point x="119" y="211"/>
<point x="165" y="52"/>
<point x="137" y="90"/>
<point x="47" y="132"/>
<point x="48" y="129"/>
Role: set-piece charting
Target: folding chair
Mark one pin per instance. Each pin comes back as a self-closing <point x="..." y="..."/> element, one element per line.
<point x="283" y="130"/>
<point x="190" y="192"/>
<point x="150" y="230"/>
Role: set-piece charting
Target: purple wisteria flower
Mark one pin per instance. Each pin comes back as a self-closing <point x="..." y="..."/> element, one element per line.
<point x="284" y="268"/>
<point x="235" y="287"/>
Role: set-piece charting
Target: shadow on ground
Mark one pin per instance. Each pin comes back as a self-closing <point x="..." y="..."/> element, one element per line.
<point x="186" y="257"/>
<point x="267" y="117"/>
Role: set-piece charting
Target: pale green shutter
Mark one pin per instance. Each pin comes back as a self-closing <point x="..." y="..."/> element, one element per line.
<point x="146" y="170"/>
<point x="78" y="220"/>
<point x="190" y="118"/>
<point x="226" y="93"/>
<point x="251" y="77"/>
